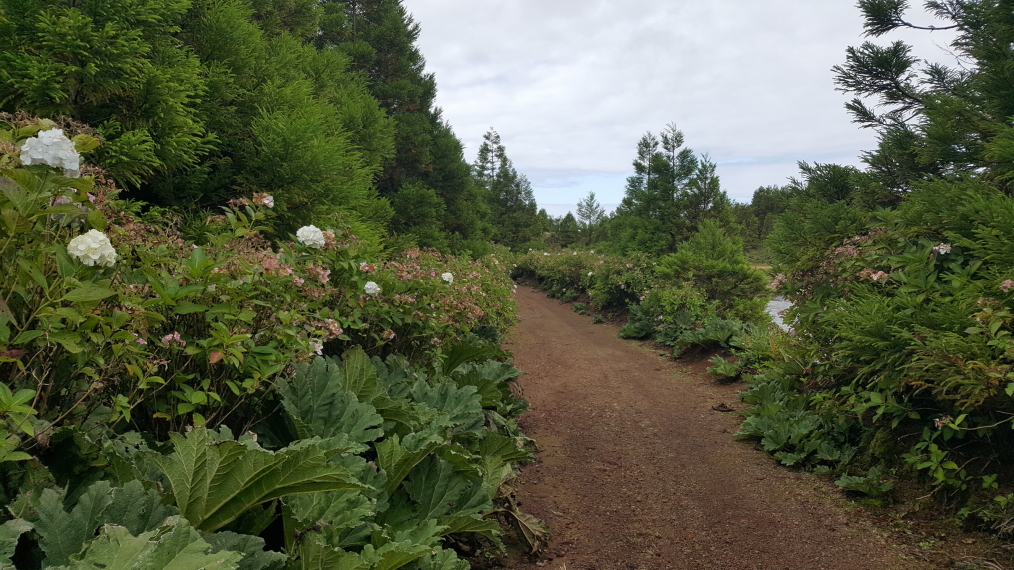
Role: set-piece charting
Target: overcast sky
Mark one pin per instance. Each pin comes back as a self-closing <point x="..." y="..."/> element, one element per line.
<point x="572" y="85"/>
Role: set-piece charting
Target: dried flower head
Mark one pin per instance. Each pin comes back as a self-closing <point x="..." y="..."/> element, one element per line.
<point x="264" y="199"/>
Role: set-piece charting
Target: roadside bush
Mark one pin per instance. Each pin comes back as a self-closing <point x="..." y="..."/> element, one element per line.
<point x="138" y="363"/>
<point x="692" y="297"/>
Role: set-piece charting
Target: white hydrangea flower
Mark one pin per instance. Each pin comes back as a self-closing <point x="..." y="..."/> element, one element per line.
<point x="590" y="273"/>
<point x="371" y="288"/>
<point x="92" y="248"/>
<point x="448" y="277"/>
<point x="310" y="236"/>
<point x="53" y="149"/>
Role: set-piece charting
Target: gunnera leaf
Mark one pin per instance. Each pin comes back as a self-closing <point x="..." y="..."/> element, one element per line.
<point x="10" y="532"/>
<point x="213" y="483"/>
<point x="320" y="405"/>
<point x="250" y="547"/>
<point x="61" y="534"/>
<point x="173" y="546"/>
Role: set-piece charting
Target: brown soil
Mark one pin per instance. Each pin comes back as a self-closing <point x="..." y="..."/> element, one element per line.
<point x="637" y="471"/>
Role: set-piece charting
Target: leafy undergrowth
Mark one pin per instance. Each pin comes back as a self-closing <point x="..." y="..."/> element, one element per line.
<point x="241" y="402"/>
<point x="704" y="296"/>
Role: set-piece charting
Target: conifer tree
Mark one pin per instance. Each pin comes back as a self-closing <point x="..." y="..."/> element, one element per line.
<point x="670" y="193"/>
<point x="513" y="212"/>
<point x="590" y="216"/>
<point x="379" y="36"/>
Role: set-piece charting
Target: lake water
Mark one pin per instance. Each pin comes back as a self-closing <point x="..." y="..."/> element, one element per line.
<point x="775" y="308"/>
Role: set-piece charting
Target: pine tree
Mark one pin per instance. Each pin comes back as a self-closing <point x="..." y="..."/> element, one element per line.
<point x="934" y="120"/>
<point x="590" y="217"/>
<point x="513" y="212"/>
<point x="379" y="36"/>
<point x="670" y="193"/>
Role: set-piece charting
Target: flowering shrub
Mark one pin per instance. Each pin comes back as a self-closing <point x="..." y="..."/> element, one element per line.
<point x="176" y="333"/>
<point x="903" y="330"/>
<point x="52" y="148"/>
<point x="707" y="285"/>
<point x="127" y="351"/>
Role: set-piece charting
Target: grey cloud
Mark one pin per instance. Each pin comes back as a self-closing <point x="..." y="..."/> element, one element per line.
<point x="571" y="85"/>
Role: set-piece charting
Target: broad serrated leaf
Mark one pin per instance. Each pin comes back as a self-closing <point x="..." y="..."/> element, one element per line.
<point x="397" y="457"/>
<point x="215" y="482"/>
<point x="462" y="353"/>
<point x="137" y="509"/>
<point x="438" y="490"/>
<point x="394" y="555"/>
<point x="320" y="405"/>
<point x="61" y="534"/>
<point x="441" y="560"/>
<point x="315" y="555"/>
<point x="458" y="408"/>
<point x="10" y="532"/>
<point x="250" y="547"/>
<point x="173" y="546"/>
<point x="360" y="377"/>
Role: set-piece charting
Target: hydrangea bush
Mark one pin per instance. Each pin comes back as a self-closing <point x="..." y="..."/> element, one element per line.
<point x="104" y="311"/>
<point x="127" y="350"/>
<point x="707" y="286"/>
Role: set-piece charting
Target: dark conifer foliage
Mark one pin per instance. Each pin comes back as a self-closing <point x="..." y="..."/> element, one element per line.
<point x="671" y="192"/>
<point x="379" y="36"/>
<point x="513" y="212"/>
<point x="199" y="100"/>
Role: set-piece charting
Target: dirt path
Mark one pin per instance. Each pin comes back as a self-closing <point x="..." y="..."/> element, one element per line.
<point x="637" y="471"/>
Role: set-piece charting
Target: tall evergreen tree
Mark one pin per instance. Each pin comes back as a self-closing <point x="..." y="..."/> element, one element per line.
<point x="200" y="99"/>
<point x="934" y="120"/>
<point x="379" y="36"/>
<point x="670" y="193"/>
<point x="511" y="201"/>
<point x="590" y="216"/>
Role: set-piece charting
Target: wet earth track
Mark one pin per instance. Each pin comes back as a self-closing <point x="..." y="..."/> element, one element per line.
<point x="637" y="471"/>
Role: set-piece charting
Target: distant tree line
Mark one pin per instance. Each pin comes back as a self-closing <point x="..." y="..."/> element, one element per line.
<point x="326" y="106"/>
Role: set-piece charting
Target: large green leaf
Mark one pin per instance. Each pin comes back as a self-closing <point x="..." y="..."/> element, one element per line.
<point x="10" y="532"/>
<point x="437" y="490"/>
<point x="397" y="457"/>
<point x="137" y="509"/>
<point x="320" y="405"/>
<point x="462" y="353"/>
<point x="315" y="555"/>
<point x="360" y="377"/>
<point x="61" y="534"/>
<point x="250" y="547"/>
<point x="214" y="483"/>
<point x="459" y="408"/>
<point x="174" y="546"/>
<point x="441" y="560"/>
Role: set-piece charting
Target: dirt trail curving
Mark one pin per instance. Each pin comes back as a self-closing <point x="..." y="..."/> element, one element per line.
<point x="636" y="471"/>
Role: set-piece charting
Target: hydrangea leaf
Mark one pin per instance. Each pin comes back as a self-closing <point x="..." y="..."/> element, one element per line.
<point x="214" y="483"/>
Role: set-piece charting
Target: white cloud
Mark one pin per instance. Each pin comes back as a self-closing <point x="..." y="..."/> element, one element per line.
<point x="571" y="85"/>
